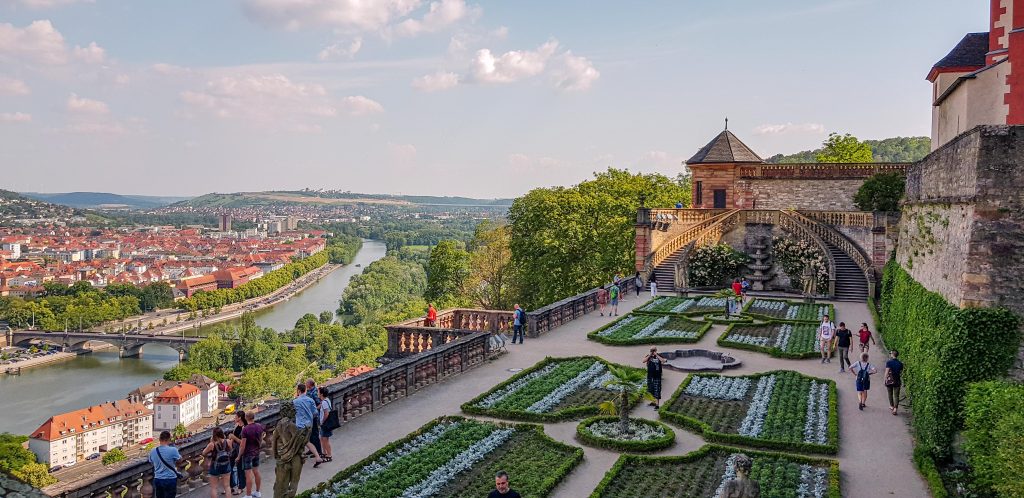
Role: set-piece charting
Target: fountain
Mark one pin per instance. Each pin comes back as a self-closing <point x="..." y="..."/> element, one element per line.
<point x="760" y="266"/>
<point x="698" y="360"/>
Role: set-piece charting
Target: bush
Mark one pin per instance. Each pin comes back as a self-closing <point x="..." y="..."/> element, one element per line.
<point x="994" y="436"/>
<point x="113" y="456"/>
<point x="944" y="349"/>
<point x="793" y="256"/>
<point x="712" y="266"/>
<point x="881" y="192"/>
<point x="585" y="436"/>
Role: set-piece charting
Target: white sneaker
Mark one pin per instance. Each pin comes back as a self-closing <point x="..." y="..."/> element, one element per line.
<point x="256" y="494"/>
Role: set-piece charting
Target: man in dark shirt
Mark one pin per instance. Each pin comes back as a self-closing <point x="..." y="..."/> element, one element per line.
<point x="844" y="337"/>
<point x="893" y="380"/>
<point x="501" y="488"/>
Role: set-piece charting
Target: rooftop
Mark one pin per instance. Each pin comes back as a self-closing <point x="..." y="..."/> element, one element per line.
<point x="968" y="55"/>
<point x="725" y="148"/>
<point x="86" y="419"/>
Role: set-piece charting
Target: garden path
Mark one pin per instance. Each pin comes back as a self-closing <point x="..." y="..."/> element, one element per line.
<point x="875" y="448"/>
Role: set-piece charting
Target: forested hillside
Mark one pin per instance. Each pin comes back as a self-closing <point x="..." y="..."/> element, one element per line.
<point x="889" y="150"/>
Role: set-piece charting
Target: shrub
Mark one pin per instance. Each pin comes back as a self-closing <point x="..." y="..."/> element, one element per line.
<point x="715" y="264"/>
<point x="994" y="436"/>
<point x="113" y="456"/>
<point x="881" y="192"/>
<point x="795" y="255"/>
<point x="944" y="349"/>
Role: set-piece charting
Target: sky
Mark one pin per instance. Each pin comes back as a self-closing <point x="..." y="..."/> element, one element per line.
<point x="443" y="97"/>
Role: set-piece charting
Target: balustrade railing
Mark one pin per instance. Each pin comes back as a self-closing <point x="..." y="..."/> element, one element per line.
<point x="798" y="227"/>
<point x="859" y="219"/>
<point x="545" y="319"/>
<point x="844" y="244"/>
<point x="711" y="234"/>
<point x="665" y="217"/>
<point x="354" y="397"/>
<point x="661" y="253"/>
<point x="414" y="336"/>
<point x="819" y="170"/>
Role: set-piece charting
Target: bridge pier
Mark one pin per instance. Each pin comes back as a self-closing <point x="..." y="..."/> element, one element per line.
<point x="129" y="352"/>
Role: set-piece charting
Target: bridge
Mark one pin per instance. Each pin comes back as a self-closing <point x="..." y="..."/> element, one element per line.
<point x="129" y="345"/>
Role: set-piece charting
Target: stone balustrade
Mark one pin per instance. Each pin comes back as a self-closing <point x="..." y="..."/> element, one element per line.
<point x="801" y="228"/>
<point x="823" y="171"/>
<point x="543" y="320"/>
<point x="414" y="336"/>
<point x="835" y="238"/>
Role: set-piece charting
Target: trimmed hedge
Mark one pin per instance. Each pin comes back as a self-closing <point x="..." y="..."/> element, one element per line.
<point x="591" y="439"/>
<point x="723" y="340"/>
<point x="558" y="416"/>
<point x="710" y="434"/>
<point x="760" y="316"/>
<point x="834" y="490"/>
<point x="649" y="340"/>
<point x="944" y="349"/>
<point x="994" y="436"/>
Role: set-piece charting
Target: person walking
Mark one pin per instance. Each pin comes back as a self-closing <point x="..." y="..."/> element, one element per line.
<point x="893" y="378"/>
<point x="863" y="371"/>
<point x="325" y="435"/>
<point x="518" y="318"/>
<point x="826" y="333"/>
<point x="737" y="287"/>
<point x="843" y="339"/>
<point x="744" y="288"/>
<point x="286" y="447"/>
<point x="249" y="455"/>
<point x="305" y="411"/>
<point x="613" y="294"/>
<point x="638" y="282"/>
<point x="431" y="315"/>
<point x="654" y="288"/>
<point x="865" y="336"/>
<point x="218" y="453"/>
<point x="501" y="487"/>
<point x="654" y="363"/>
<point x="602" y="299"/>
<point x="237" y="474"/>
<point x="164" y="459"/>
<point x="314" y="433"/>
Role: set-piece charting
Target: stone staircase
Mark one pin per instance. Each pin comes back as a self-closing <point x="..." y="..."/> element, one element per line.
<point x="664" y="273"/>
<point x="850" y="282"/>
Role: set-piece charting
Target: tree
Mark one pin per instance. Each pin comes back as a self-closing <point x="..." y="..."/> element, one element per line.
<point x="449" y="264"/>
<point x="489" y="282"/>
<point x="179" y="431"/>
<point x="34" y="474"/>
<point x="326" y="317"/>
<point x="629" y="383"/>
<point x="113" y="456"/>
<point x="881" y="192"/>
<point x="844" y="149"/>
<point x="211" y="353"/>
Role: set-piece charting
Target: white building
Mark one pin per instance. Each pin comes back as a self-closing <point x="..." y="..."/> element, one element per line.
<point x="208" y="392"/>
<point x="177" y="405"/>
<point x="73" y="436"/>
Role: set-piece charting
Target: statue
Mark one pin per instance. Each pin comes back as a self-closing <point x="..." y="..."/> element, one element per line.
<point x="810" y="283"/>
<point x="742" y="486"/>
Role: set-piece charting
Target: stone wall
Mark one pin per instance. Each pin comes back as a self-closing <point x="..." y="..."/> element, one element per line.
<point x="814" y="194"/>
<point x="962" y="229"/>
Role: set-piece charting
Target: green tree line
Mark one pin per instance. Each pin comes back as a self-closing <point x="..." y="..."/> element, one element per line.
<point x="83" y="305"/>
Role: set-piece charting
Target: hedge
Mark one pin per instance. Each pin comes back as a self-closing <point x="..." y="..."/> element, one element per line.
<point x="760" y="316"/>
<point x="665" y="413"/>
<point x="591" y="439"/>
<point x="650" y="340"/>
<point x="944" y="349"/>
<point x="834" y="490"/>
<point x="720" y="319"/>
<point x="994" y="436"/>
<point x="723" y="340"/>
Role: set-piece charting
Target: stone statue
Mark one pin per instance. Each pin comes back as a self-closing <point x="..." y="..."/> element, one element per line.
<point x="809" y="282"/>
<point x="742" y="486"/>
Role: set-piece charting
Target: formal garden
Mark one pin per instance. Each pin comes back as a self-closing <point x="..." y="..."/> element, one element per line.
<point x="783" y="340"/>
<point x="636" y="328"/>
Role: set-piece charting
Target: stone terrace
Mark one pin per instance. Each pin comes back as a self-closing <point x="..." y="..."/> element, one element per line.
<point x="875" y="447"/>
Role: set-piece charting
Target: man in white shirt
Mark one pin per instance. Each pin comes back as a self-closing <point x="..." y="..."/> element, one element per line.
<point x="826" y="334"/>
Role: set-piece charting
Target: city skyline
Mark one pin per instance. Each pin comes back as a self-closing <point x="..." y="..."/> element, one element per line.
<point x="450" y="97"/>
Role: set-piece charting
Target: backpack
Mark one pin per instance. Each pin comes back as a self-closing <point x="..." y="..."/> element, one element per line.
<point x="862" y="374"/>
<point x="221" y="455"/>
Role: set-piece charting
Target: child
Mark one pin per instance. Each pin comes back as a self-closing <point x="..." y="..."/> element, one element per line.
<point x="865" y="336"/>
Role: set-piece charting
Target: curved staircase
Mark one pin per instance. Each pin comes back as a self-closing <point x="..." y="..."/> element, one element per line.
<point x="851" y="285"/>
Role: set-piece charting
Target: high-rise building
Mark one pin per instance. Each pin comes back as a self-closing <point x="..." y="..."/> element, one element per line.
<point x="225" y="223"/>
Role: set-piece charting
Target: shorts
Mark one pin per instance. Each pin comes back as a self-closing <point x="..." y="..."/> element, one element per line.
<point x="324" y="433"/>
<point x="615" y="302"/>
<point x="219" y="470"/>
<point x="250" y="462"/>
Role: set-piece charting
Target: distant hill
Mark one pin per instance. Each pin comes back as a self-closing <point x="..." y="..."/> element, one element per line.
<point x="104" y="200"/>
<point x="889" y="150"/>
<point x="14" y="206"/>
<point x="250" y="199"/>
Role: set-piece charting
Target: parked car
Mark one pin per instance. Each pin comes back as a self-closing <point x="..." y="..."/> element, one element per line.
<point x="93" y="456"/>
<point x="69" y="465"/>
<point x="146" y="441"/>
<point x="55" y="468"/>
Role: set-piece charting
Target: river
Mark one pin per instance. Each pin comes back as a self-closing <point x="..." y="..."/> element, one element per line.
<point x="27" y="400"/>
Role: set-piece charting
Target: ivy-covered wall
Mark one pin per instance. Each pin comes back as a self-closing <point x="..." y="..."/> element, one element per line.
<point x="945" y="348"/>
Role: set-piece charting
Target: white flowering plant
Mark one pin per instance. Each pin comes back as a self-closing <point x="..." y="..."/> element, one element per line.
<point x="780" y="339"/>
<point x="642" y="434"/>
<point x="793" y="256"/>
<point x="713" y="265"/>
<point x="650" y="328"/>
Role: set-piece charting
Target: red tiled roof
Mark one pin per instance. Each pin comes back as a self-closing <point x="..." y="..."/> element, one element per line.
<point x="79" y="421"/>
<point x="177" y="394"/>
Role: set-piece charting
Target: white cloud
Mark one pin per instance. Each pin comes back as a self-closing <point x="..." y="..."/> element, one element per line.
<point x="358" y="105"/>
<point x="440" y="80"/>
<point x="340" y="51"/>
<point x="92" y="54"/>
<point x="105" y="127"/>
<point x="402" y="152"/>
<point x="347" y="15"/>
<point x="81" y="105"/>
<point x="511" y="66"/>
<point x="41" y="43"/>
<point x="15" y="117"/>
<point x="169" y="69"/>
<point x="574" y="73"/>
<point x="46" y="4"/>
<point x="524" y="162"/>
<point x="13" y="87"/>
<point x="779" y="129"/>
<point x="441" y="15"/>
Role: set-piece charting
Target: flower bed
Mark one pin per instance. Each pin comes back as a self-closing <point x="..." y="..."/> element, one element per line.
<point x="648" y="435"/>
<point x="727" y="320"/>
<point x="704" y="472"/>
<point x="553" y="390"/>
<point x="789" y="311"/>
<point x="781" y="410"/>
<point x="683" y="306"/>
<point x="650" y="329"/>
<point x="454" y="456"/>
<point x="782" y="340"/>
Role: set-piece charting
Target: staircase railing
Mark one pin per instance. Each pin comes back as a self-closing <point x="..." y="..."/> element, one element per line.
<point x="665" y="250"/>
<point x="710" y="235"/>
<point x="860" y="219"/>
<point x="801" y="228"/>
<point x="834" y="237"/>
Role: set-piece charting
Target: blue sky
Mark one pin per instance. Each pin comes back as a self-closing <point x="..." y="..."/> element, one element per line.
<point x="443" y="97"/>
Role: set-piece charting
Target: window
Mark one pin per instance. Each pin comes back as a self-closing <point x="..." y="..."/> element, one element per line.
<point x="699" y="194"/>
